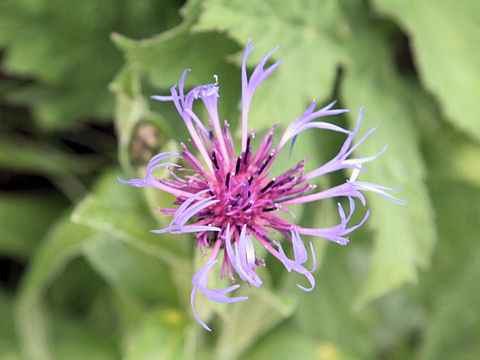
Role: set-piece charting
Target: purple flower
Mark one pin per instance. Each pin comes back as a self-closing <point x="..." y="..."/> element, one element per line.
<point x="231" y="201"/>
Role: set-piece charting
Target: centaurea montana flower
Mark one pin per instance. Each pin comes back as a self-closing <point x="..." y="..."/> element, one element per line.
<point x="230" y="201"/>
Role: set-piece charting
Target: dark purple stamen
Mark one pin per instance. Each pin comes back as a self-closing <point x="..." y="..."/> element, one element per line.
<point x="227" y="180"/>
<point x="214" y="159"/>
<point x="237" y="167"/>
<point x="268" y="185"/>
<point x="265" y="163"/>
<point x="248" y="206"/>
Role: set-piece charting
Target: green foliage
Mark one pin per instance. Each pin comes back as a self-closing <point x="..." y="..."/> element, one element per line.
<point x="290" y="343"/>
<point x="64" y="46"/>
<point x="24" y="219"/>
<point x="238" y="334"/>
<point x="301" y="35"/>
<point x="97" y="284"/>
<point x="404" y="236"/>
<point x="449" y="291"/>
<point x="327" y="313"/>
<point x="159" y="335"/>
<point x="60" y="246"/>
<point x="163" y="58"/>
<point x="443" y="34"/>
<point x="8" y="342"/>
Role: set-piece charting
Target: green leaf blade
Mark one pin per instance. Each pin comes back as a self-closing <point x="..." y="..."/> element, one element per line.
<point x="404" y="235"/>
<point x="444" y="35"/>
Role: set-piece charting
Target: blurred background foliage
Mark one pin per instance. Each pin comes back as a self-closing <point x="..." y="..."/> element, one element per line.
<point x="82" y="276"/>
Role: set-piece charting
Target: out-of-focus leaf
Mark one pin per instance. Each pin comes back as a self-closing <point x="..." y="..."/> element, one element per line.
<point x="309" y="34"/>
<point x="20" y="154"/>
<point x="44" y="337"/>
<point x="63" y="243"/>
<point x="80" y="291"/>
<point x="24" y="219"/>
<point x="455" y="200"/>
<point x="163" y="58"/>
<point x="120" y="211"/>
<point x="449" y="292"/>
<point x="443" y="35"/>
<point x="103" y="216"/>
<point x="130" y="310"/>
<point x="66" y="48"/>
<point x="405" y="235"/>
<point x="133" y="271"/>
<point x="248" y="320"/>
<point x="178" y="49"/>
<point x="131" y="109"/>
<point x="78" y="340"/>
<point x="289" y="342"/>
<point x="326" y="312"/>
<point x="452" y="157"/>
<point x="159" y="336"/>
<point x="398" y="319"/>
<point x="8" y="341"/>
<point x="452" y="332"/>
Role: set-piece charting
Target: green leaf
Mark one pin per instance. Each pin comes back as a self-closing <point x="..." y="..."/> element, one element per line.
<point x="66" y="48"/>
<point x="8" y="341"/>
<point x="120" y="211"/>
<point x="309" y="35"/>
<point x="130" y="310"/>
<point x="455" y="200"/>
<point x="289" y="342"/>
<point x="69" y="339"/>
<point x="79" y="340"/>
<point x="404" y="235"/>
<point x="21" y="154"/>
<point x="443" y="34"/>
<point x="140" y="132"/>
<point x="248" y="320"/>
<point x="452" y="331"/>
<point x="129" y="109"/>
<point x="452" y="157"/>
<point x="326" y="312"/>
<point x="127" y="223"/>
<point x="449" y="291"/>
<point x="24" y="219"/>
<point x="163" y="59"/>
<point x="81" y="292"/>
<point x="159" y="336"/>
<point x="63" y="243"/>
<point x="130" y="270"/>
<point x="17" y="153"/>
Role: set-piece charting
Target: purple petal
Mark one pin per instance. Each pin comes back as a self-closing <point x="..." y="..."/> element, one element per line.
<point x="153" y="164"/>
<point x="199" y="282"/>
<point x="243" y="258"/>
<point x="337" y="233"/>
<point x="301" y="256"/>
<point x="378" y="189"/>
<point x="303" y="122"/>
<point x="185" y="212"/>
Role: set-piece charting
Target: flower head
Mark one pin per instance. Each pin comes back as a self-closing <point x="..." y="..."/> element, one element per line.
<point x="232" y="200"/>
